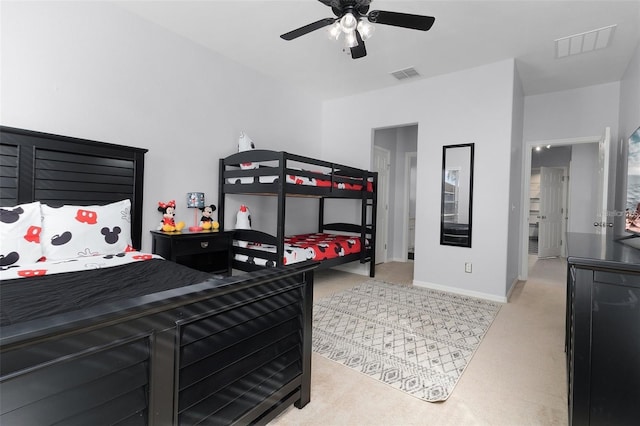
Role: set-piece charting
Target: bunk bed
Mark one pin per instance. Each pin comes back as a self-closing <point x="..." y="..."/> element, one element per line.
<point x="282" y="175"/>
<point x="151" y="342"/>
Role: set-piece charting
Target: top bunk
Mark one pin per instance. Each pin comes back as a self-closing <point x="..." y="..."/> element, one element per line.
<point x="265" y="172"/>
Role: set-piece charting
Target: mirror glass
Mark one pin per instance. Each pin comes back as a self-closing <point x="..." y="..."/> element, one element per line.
<point x="457" y="195"/>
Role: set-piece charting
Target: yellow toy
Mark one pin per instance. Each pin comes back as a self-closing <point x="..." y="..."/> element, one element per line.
<point x="206" y="221"/>
<point x="168" y="211"/>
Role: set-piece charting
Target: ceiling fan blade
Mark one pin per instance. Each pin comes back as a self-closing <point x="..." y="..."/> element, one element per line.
<point x="307" y="29"/>
<point x="359" y="51"/>
<point x="404" y="20"/>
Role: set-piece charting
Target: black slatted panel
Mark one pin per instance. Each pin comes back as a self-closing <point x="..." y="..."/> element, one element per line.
<point x="256" y="377"/>
<point x="128" y="409"/>
<point x="192" y="353"/>
<point x="217" y="323"/>
<point x="8" y="175"/>
<point x="105" y="386"/>
<point x="78" y="179"/>
<point x="257" y="350"/>
<point x="59" y="170"/>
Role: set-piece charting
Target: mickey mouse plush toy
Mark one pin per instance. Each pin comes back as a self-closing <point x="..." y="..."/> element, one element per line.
<point x="206" y="221"/>
<point x="168" y="211"/>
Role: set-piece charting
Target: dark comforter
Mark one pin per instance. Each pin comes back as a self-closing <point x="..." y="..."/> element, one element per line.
<point x="31" y="298"/>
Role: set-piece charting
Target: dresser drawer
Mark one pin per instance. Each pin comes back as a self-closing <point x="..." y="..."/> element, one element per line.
<point x="201" y="245"/>
<point x="205" y="251"/>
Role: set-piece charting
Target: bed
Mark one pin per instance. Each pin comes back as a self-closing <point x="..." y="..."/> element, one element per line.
<point x="175" y="346"/>
<point x="283" y="175"/>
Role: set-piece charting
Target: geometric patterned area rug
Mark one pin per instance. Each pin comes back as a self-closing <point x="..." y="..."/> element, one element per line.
<point x="415" y="339"/>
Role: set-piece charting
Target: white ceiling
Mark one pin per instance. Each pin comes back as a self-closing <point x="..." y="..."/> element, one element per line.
<point x="465" y="34"/>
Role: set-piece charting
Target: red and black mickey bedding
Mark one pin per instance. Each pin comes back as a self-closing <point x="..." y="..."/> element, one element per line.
<point x="317" y="179"/>
<point x="33" y="232"/>
<point x="284" y="175"/>
<point x="300" y="248"/>
<point x="56" y="260"/>
<point x="264" y="167"/>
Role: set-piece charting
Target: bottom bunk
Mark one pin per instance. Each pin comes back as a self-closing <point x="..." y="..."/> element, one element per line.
<point x="233" y="350"/>
<point x="254" y="250"/>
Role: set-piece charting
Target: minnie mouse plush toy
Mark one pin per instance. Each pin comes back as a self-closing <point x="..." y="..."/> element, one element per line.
<point x="168" y="211"/>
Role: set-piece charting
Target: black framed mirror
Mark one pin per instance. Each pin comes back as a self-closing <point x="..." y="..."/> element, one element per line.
<point x="457" y="195"/>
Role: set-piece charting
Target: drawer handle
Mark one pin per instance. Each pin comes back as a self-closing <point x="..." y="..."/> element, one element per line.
<point x="204" y="244"/>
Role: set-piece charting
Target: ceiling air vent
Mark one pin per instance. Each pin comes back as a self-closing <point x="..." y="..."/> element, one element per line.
<point x="584" y="42"/>
<point x="405" y="73"/>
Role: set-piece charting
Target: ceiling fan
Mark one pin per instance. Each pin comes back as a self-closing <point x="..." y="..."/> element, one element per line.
<point x="351" y="19"/>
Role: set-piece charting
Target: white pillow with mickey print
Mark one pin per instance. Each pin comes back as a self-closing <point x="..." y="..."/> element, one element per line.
<point x="77" y="231"/>
<point x="20" y="234"/>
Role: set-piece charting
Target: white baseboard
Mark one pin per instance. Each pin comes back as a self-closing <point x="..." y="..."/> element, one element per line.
<point x="511" y="287"/>
<point x="470" y="293"/>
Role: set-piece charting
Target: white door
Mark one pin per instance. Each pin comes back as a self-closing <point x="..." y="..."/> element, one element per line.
<point x="551" y="212"/>
<point x="382" y="164"/>
<point x="603" y="223"/>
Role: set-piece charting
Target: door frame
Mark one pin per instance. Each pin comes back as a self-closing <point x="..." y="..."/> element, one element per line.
<point x="407" y="194"/>
<point x="385" y="215"/>
<point x="523" y="272"/>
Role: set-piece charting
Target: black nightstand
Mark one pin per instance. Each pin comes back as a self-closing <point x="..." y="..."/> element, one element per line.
<point x="208" y="251"/>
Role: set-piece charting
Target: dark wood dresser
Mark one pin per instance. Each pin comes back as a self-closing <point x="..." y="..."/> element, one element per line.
<point x="603" y="331"/>
<point x="208" y="251"/>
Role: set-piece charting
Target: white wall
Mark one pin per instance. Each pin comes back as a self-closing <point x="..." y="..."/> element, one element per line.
<point x="572" y="113"/>
<point x="468" y="106"/>
<point x="583" y="178"/>
<point x="94" y="71"/>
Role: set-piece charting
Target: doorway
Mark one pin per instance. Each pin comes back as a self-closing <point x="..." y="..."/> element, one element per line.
<point x="396" y="217"/>
<point x="585" y="158"/>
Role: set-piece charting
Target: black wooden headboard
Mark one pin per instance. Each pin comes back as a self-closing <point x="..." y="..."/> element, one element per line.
<point x="59" y="170"/>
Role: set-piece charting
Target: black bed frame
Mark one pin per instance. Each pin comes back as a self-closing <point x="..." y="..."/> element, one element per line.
<point x="59" y="170"/>
<point x="280" y="164"/>
<point x="225" y="351"/>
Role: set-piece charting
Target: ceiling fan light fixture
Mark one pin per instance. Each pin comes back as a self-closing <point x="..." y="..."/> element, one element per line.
<point x="365" y="29"/>
<point x="350" y="40"/>
<point x="353" y="18"/>
<point x="348" y="23"/>
<point x="334" y="31"/>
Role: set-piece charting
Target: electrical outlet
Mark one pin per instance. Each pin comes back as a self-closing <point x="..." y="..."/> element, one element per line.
<point x="467" y="267"/>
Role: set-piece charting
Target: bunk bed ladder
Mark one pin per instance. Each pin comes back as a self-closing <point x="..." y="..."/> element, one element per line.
<point x="221" y="193"/>
<point x="281" y="207"/>
<point x="372" y="203"/>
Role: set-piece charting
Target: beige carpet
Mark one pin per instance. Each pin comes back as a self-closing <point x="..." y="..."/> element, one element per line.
<point x="516" y="377"/>
<point x="414" y="339"/>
